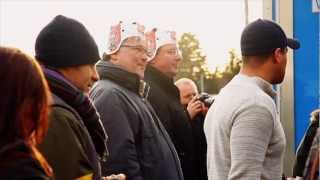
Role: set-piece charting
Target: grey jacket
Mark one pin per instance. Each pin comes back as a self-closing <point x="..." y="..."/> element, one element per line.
<point x="244" y="134"/>
<point x="138" y="144"/>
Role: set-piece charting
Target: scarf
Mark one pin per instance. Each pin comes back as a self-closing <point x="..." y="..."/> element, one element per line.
<point x="83" y="105"/>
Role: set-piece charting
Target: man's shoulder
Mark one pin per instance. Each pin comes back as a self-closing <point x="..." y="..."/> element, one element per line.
<point x="238" y="98"/>
<point x="106" y="85"/>
<point x="113" y="95"/>
<point x="63" y="117"/>
<point x="59" y="108"/>
<point x="246" y="95"/>
<point x="107" y="89"/>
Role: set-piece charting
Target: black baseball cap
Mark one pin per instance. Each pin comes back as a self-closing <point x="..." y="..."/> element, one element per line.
<point x="263" y="36"/>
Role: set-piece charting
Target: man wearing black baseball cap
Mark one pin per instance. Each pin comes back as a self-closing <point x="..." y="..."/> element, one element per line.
<point x="262" y="37"/>
<point x="244" y="135"/>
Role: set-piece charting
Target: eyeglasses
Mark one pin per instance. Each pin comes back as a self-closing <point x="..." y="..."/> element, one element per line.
<point x="139" y="49"/>
<point x="173" y="52"/>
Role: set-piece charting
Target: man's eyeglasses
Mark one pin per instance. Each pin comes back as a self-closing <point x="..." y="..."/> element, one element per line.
<point x="173" y="52"/>
<point x="137" y="48"/>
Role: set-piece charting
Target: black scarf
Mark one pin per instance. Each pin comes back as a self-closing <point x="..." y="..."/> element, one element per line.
<point x="83" y="105"/>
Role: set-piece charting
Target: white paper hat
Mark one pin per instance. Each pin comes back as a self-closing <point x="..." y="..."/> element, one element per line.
<point x="156" y="39"/>
<point x="122" y="31"/>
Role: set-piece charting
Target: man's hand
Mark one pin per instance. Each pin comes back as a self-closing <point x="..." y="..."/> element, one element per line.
<point x="194" y="107"/>
<point x="115" y="177"/>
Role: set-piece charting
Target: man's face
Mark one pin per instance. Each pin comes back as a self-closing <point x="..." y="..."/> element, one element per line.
<point x="132" y="56"/>
<point x="281" y="66"/>
<point x="82" y="76"/>
<point x="167" y="60"/>
<point x="187" y="92"/>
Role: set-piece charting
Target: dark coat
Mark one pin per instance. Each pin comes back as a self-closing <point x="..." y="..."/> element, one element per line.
<point x="165" y="99"/>
<point x="311" y="170"/>
<point x="16" y="163"/>
<point x="200" y="146"/>
<point x="303" y="150"/>
<point x="67" y="145"/>
<point x="138" y="143"/>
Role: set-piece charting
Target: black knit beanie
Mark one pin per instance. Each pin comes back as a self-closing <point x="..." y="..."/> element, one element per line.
<point x="65" y="42"/>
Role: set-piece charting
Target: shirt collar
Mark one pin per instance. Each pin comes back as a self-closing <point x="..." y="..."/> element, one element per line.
<point x="261" y="83"/>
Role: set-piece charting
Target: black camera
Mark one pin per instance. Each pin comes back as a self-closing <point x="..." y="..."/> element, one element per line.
<point x="206" y="99"/>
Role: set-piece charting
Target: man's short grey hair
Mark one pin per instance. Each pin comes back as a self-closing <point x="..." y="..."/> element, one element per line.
<point x="186" y="81"/>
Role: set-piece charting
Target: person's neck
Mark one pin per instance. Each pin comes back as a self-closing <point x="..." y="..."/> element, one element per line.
<point x="257" y="72"/>
<point x="166" y="74"/>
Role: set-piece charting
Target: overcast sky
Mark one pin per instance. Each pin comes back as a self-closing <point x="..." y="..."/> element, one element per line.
<point x="216" y="23"/>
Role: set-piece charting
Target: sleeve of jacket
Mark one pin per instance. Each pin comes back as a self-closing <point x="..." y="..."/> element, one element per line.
<point x="120" y="122"/>
<point x="63" y="146"/>
<point x="304" y="149"/>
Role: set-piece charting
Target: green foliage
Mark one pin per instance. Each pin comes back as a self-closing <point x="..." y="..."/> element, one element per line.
<point x="194" y="66"/>
<point x="193" y="63"/>
<point x="220" y="78"/>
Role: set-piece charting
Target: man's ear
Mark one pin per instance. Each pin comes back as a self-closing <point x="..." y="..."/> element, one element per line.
<point x="114" y="57"/>
<point x="277" y="56"/>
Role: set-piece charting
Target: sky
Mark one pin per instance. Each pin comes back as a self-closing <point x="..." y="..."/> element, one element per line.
<point x="216" y="23"/>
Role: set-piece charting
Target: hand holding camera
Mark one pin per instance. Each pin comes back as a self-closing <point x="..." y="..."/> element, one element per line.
<point x="206" y="99"/>
<point x="115" y="177"/>
<point x="194" y="107"/>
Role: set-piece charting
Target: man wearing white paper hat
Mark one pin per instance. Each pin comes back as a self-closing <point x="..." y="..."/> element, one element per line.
<point x="138" y="143"/>
<point x="165" y="98"/>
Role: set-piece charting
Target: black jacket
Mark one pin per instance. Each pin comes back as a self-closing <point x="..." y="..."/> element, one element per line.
<point x="67" y="145"/>
<point x="138" y="143"/>
<point x="165" y="99"/>
<point x="303" y="150"/>
<point x="16" y="163"/>
<point x="200" y="146"/>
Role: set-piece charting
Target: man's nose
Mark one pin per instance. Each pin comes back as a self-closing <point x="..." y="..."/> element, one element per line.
<point x="95" y="76"/>
<point x="145" y="57"/>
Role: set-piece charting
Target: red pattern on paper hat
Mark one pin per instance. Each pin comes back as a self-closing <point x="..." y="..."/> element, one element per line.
<point x="156" y="39"/>
<point x="122" y="31"/>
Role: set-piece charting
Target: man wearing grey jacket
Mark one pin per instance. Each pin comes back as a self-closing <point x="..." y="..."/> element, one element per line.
<point x="244" y="135"/>
<point x="138" y="143"/>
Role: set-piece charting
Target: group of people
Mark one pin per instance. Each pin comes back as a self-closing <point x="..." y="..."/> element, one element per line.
<point x="73" y="115"/>
<point x="68" y="113"/>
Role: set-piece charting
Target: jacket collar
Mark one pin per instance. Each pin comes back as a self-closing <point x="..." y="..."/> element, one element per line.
<point x="157" y="76"/>
<point x="261" y="83"/>
<point x="130" y="81"/>
<point x="154" y="76"/>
